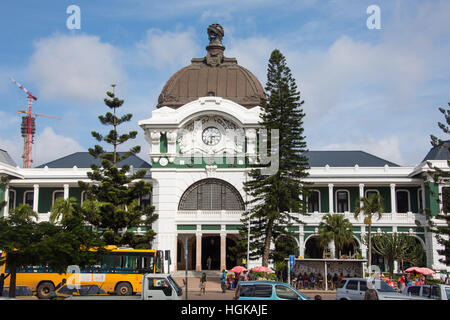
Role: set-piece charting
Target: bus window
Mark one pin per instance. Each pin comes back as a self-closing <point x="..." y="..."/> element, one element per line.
<point x="110" y="263"/>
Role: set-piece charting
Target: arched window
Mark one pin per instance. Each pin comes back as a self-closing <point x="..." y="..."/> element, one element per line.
<point x="211" y="194"/>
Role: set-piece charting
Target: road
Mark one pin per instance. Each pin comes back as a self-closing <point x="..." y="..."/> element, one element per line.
<point x="214" y="292"/>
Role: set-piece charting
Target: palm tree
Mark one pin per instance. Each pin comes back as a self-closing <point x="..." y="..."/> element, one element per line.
<point x="337" y="228"/>
<point x="369" y="207"/>
<point x="62" y="208"/>
<point x="24" y="212"/>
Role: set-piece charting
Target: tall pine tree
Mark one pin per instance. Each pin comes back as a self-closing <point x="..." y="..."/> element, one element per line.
<point x="439" y="175"/>
<point x="113" y="197"/>
<point x="279" y="198"/>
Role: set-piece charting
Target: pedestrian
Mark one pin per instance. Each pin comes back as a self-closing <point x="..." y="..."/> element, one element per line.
<point x="305" y="281"/>
<point x="236" y="279"/>
<point x="447" y="280"/>
<point x="251" y="276"/>
<point x="335" y="281"/>
<point x="2" y="282"/>
<point x="312" y="281"/>
<point x="246" y="275"/>
<point x="406" y="281"/>
<point x="203" y="284"/>
<point x="329" y="280"/>
<point x="208" y="262"/>
<point x="223" y="281"/>
<point x="401" y="283"/>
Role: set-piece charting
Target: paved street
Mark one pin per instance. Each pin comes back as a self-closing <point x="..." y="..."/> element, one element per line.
<point x="214" y="292"/>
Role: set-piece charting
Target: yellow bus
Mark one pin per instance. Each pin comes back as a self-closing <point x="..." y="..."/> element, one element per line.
<point x="119" y="271"/>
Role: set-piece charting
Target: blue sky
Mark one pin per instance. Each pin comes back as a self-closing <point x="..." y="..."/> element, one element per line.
<point x="372" y="90"/>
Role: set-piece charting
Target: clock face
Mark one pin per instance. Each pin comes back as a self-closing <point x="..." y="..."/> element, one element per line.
<point x="211" y="136"/>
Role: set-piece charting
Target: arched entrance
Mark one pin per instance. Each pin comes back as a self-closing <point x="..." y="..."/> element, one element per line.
<point x="211" y="197"/>
<point x="284" y="247"/>
<point x="351" y="249"/>
<point x="313" y="250"/>
<point x="192" y="251"/>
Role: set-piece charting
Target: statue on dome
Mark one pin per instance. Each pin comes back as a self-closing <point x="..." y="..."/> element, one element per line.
<point x="215" y="33"/>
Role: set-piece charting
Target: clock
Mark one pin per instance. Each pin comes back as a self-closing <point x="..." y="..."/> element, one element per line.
<point x="211" y="136"/>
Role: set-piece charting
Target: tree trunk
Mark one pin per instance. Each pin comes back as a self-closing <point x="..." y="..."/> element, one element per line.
<point x="12" y="281"/>
<point x="267" y="241"/>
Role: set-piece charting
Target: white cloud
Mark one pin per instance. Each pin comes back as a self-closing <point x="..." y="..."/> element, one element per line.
<point x="79" y="68"/>
<point x="167" y="49"/>
<point x="388" y="149"/>
<point x="50" y="146"/>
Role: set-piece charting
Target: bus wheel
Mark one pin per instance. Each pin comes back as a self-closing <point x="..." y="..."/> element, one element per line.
<point x="124" y="289"/>
<point x="44" y="290"/>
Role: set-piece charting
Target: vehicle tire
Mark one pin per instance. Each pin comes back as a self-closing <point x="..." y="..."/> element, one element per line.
<point x="124" y="289"/>
<point x="44" y="290"/>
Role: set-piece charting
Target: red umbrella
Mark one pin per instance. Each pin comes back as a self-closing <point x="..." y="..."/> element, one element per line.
<point x="424" y="271"/>
<point x="262" y="269"/>
<point x="238" y="269"/>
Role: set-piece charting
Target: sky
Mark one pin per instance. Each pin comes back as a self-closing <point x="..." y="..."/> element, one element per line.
<point x="371" y="89"/>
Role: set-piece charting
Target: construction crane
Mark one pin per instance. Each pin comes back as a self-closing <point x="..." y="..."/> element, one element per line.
<point x="28" y="128"/>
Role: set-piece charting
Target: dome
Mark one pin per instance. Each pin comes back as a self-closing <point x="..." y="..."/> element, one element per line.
<point x="213" y="75"/>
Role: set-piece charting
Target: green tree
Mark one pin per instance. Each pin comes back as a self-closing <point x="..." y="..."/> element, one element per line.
<point x="335" y="227"/>
<point x="369" y="207"/>
<point x="275" y="197"/>
<point x="441" y="231"/>
<point x="115" y="192"/>
<point x="396" y="247"/>
<point x="25" y="212"/>
<point x="27" y="242"/>
<point x="62" y="208"/>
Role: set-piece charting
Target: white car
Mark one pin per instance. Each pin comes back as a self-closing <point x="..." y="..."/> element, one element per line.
<point x="355" y="289"/>
<point x="435" y="291"/>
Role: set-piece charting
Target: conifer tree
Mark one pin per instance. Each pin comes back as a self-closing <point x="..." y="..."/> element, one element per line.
<point x="442" y="231"/>
<point x="113" y="197"/>
<point x="279" y="198"/>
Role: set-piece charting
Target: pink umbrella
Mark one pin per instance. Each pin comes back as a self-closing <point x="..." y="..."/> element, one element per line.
<point x="262" y="269"/>
<point x="238" y="269"/>
<point x="425" y="271"/>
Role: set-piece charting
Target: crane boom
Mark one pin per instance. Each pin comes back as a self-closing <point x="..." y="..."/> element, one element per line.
<point x="38" y="114"/>
<point x="23" y="88"/>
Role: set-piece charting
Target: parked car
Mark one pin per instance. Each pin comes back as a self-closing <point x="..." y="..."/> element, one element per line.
<point x="435" y="291"/>
<point x="267" y="290"/>
<point x="356" y="289"/>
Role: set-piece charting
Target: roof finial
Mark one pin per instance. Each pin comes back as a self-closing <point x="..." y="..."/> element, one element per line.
<point x="215" y="48"/>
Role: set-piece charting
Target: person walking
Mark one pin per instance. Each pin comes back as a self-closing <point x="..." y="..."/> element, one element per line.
<point x="203" y="284"/>
<point x="223" y="281"/>
<point x="2" y="282"/>
<point x="208" y="262"/>
<point x="401" y="283"/>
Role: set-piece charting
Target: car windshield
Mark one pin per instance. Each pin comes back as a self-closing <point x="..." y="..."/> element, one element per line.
<point x="174" y="285"/>
<point x="380" y="286"/>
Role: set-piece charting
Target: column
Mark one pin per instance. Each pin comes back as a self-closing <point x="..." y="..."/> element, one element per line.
<point x="6" y="198"/>
<point x="66" y="191"/>
<point x="363" y="246"/>
<point x="423" y="197"/>
<point x="174" y="253"/>
<point x="198" y="258"/>
<point x="361" y="192"/>
<point x="301" y="241"/>
<point x="223" y="251"/>
<point x="330" y="197"/>
<point x="393" y="199"/>
<point x="35" y="197"/>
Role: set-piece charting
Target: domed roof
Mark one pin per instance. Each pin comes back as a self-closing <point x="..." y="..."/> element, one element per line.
<point x="213" y="75"/>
